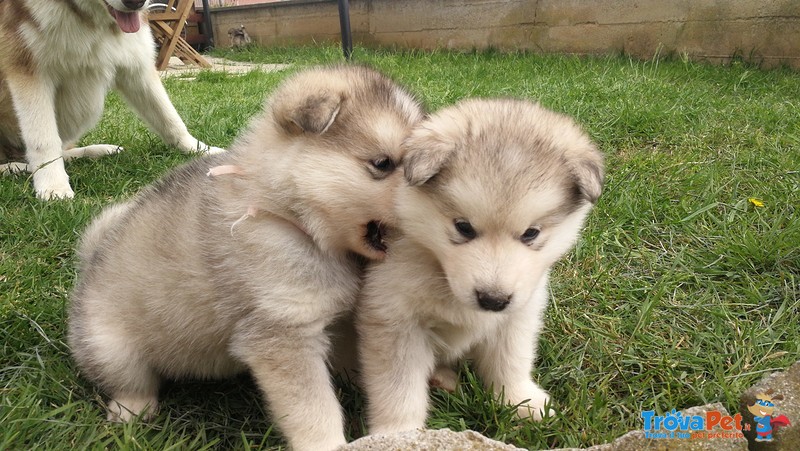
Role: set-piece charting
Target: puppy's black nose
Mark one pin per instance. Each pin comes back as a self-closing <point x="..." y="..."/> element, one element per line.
<point x="492" y="300"/>
<point x="133" y="4"/>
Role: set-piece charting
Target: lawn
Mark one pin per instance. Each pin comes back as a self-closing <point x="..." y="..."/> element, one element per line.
<point x="684" y="289"/>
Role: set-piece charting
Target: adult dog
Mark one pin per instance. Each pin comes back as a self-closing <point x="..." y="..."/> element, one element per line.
<point x="241" y="260"/>
<point x="497" y="192"/>
<point x="58" y="60"/>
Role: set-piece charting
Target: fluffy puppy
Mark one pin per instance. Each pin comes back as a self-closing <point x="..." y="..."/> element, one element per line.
<point x="497" y="192"/>
<point x="240" y="261"/>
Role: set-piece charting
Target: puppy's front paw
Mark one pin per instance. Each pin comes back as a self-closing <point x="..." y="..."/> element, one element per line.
<point x="445" y="378"/>
<point x="535" y="408"/>
<point x="125" y="408"/>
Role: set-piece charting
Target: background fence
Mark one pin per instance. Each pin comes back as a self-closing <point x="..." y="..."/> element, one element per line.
<point x="764" y="31"/>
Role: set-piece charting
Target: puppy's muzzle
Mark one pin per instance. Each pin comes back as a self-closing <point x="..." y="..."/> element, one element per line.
<point x="492" y="300"/>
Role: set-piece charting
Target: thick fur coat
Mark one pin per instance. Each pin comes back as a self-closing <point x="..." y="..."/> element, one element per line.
<point x="497" y="191"/>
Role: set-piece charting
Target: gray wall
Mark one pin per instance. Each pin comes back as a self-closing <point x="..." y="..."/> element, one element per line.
<point x="763" y="31"/>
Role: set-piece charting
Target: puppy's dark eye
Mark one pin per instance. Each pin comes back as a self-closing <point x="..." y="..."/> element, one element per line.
<point x="465" y="229"/>
<point x="385" y="165"/>
<point x="529" y="235"/>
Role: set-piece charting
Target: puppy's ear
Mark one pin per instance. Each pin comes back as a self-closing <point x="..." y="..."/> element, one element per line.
<point x="426" y="152"/>
<point x="587" y="167"/>
<point x="313" y="113"/>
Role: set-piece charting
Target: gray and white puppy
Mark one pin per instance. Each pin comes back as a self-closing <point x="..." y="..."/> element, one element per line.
<point x="497" y="192"/>
<point x="241" y="260"/>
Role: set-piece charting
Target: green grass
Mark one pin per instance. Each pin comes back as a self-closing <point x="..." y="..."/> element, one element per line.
<point x="681" y="292"/>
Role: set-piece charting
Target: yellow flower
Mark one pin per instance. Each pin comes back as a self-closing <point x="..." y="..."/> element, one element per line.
<point x="756" y="202"/>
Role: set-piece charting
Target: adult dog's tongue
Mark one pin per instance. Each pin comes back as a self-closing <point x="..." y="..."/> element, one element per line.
<point x="128" y="22"/>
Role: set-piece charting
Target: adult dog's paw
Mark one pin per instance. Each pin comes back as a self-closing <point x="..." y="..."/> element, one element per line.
<point x="198" y="146"/>
<point x="51" y="182"/>
<point x="92" y="151"/>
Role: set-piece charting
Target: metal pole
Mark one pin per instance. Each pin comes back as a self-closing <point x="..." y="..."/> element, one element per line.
<point x="344" y="25"/>
<point x="207" y="23"/>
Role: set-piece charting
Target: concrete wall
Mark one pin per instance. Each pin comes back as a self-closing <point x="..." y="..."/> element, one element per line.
<point x="764" y="31"/>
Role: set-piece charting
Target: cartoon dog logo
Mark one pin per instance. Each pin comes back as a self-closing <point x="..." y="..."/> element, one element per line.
<point x="762" y="411"/>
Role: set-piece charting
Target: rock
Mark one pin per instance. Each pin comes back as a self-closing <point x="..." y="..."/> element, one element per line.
<point x="428" y="439"/>
<point x="785" y="384"/>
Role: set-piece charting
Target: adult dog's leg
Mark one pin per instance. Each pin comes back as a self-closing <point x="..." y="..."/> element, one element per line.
<point x="91" y="151"/>
<point x="143" y="91"/>
<point x="35" y="107"/>
<point x="80" y="103"/>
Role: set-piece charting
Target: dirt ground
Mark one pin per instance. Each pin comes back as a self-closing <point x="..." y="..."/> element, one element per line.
<point x="177" y="68"/>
